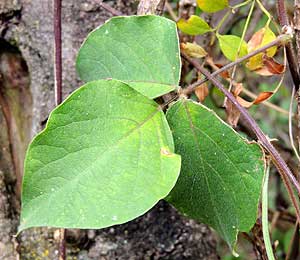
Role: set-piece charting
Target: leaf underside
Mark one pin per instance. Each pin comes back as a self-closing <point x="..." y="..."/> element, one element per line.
<point x="105" y="157"/>
<point x="221" y="174"/>
<point x="134" y="49"/>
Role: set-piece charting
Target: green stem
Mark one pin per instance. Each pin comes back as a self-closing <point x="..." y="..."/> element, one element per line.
<point x="265" y="222"/>
<point x="241" y="42"/>
<point x="222" y="21"/>
<point x="246" y="26"/>
<point x="241" y="4"/>
<point x="264" y="10"/>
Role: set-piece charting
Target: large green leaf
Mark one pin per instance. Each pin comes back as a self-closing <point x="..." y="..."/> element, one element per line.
<point x="105" y="157"/>
<point x="133" y="49"/>
<point x="221" y="174"/>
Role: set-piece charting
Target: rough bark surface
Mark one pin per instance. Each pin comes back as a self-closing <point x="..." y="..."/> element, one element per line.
<point x="26" y="98"/>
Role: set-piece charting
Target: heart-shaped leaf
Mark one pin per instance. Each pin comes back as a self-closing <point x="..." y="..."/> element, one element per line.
<point x="133" y="49"/>
<point x="230" y="44"/>
<point x="105" y="157"/>
<point x="221" y="174"/>
<point x="193" y="26"/>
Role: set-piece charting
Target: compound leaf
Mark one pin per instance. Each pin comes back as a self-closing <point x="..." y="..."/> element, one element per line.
<point x="105" y="157"/>
<point x="221" y="174"/>
<point x="133" y="49"/>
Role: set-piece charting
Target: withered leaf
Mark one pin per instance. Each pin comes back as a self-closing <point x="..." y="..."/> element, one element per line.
<point x="263" y="96"/>
<point x="244" y="102"/>
<point x="273" y="66"/>
<point x="270" y="67"/>
<point x="193" y="50"/>
<point x="202" y="92"/>
<point x="232" y="113"/>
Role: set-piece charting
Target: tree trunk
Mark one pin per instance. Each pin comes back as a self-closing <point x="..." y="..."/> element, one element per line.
<point x="26" y="98"/>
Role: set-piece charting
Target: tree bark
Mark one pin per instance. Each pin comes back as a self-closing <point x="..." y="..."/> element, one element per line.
<point x="151" y="7"/>
<point x="27" y="91"/>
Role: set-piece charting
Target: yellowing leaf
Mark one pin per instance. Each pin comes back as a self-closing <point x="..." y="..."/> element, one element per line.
<point x="269" y="36"/>
<point x="193" y="50"/>
<point x="229" y="45"/>
<point x="211" y="6"/>
<point x="259" y="39"/>
<point x="193" y="26"/>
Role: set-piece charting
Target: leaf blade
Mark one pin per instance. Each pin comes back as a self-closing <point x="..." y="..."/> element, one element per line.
<point x="219" y="195"/>
<point x="92" y="163"/>
<point x="134" y="48"/>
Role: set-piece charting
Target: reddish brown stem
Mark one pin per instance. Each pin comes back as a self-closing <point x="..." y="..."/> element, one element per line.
<point x="57" y="52"/>
<point x="58" y="92"/>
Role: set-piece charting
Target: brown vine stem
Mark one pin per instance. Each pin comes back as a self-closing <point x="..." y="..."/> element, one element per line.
<point x="291" y="57"/>
<point x="280" y="164"/>
<point x="57" y="51"/>
<point x="280" y="40"/>
<point x="58" y="95"/>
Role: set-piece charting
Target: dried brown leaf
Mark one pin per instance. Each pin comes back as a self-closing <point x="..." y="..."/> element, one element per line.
<point x="273" y="66"/>
<point x="233" y="114"/>
<point x="202" y="92"/>
<point x="238" y="88"/>
<point x="263" y="96"/>
<point x="244" y="102"/>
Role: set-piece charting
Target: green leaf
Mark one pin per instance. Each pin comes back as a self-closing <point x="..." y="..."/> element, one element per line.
<point x="105" y="157"/>
<point x="211" y="6"/>
<point x="133" y="49"/>
<point x="221" y="174"/>
<point x="230" y="44"/>
<point x="193" y="26"/>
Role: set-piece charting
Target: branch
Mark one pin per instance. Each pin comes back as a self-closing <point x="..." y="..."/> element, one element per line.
<point x="280" y="164"/>
<point x="280" y="40"/>
<point x="291" y="57"/>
